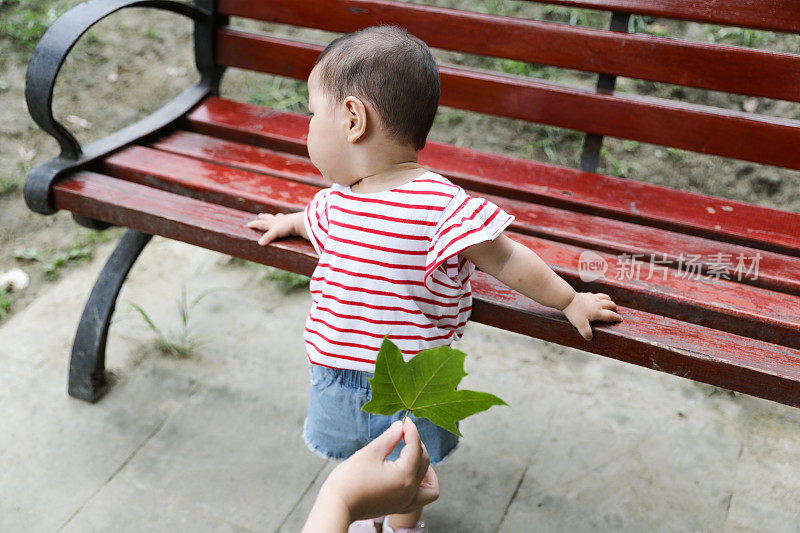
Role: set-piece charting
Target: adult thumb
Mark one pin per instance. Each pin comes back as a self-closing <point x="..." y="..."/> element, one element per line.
<point x="384" y="443"/>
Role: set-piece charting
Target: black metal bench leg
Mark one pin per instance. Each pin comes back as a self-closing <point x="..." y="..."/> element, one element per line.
<point x="87" y="373"/>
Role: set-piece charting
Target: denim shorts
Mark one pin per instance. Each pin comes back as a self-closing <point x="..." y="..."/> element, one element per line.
<point x="336" y="427"/>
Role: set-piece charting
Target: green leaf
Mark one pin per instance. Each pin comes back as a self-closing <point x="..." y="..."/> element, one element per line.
<point x="425" y="386"/>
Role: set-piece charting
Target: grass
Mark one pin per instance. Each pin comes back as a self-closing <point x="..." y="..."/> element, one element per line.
<point x="182" y="343"/>
<point x="25" y="21"/>
<point x="613" y="165"/>
<point x="286" y="281"/>
<point x="739" y="36"/>
<point x="8" y="185"/>
<point x="5" y="302"/>
<point x="51" y="262"/>
<point x="559" y="146"/>
<point x="153" y="33"/>
<point x="575" y="17"/>
<point x="521" y="68"/>
<point x="279" y="93"/>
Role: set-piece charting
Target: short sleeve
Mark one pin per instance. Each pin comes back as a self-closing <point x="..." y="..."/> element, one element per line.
<point x="316" y="219"/>
<point x="465" y="221"/>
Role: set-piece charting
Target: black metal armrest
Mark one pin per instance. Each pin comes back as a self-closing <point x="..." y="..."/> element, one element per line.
<point x="49" y="56"/>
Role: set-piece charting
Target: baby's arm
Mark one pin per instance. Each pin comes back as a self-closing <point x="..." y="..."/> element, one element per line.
<point x="520" y="268"/>
<point x="278" y="226"/>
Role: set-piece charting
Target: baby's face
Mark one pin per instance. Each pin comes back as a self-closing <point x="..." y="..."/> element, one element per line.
<point x="327" y="135"/>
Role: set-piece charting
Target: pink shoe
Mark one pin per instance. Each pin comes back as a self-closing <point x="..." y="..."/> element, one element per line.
<point x="371" y="525"/>
<point x="419" y="528"/>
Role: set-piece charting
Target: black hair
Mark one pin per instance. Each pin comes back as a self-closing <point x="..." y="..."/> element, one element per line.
<point x="392" y="70"/>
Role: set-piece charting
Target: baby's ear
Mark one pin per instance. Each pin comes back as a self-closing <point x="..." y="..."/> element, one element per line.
<point x="356" y="115"/>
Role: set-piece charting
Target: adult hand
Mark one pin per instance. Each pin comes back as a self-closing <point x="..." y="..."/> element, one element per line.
<point x="366" y="485"/>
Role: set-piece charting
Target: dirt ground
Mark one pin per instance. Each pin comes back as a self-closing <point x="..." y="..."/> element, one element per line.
<point x="135" y="62"/>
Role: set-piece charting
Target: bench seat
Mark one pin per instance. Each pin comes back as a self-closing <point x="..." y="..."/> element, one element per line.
<point x="202" y="166"/>
<point x="203" y="179"/>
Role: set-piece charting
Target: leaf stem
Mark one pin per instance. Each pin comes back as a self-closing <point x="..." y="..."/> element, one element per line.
<point x="405" y="416"/>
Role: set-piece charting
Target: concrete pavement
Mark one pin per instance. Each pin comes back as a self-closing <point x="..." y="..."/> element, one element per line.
<point x="212" y="443"/>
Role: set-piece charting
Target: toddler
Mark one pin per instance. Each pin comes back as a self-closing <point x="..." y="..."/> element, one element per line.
<point x="397" y="243"/>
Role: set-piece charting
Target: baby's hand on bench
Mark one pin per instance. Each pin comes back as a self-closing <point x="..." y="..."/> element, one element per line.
<point x="588" y="306"/>
<point x="275" y="226"/>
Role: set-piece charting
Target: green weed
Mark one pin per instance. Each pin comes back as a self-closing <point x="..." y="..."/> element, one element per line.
<point x="640" y="24"/>
<point x="450" y="116"/>
<point x="182" y="343"/>
<point x="79" y="251"/>
<point x="630" y="146"/>
<point x="575" y="17"/>
<point x="25" y="21"/>
<point x="52" y="262"/>
<point x="558" y="146"/>
<point x="680" y="155"/>
<point x="8" y="185"/>
<point x="287" y="281"/>
<point x="610" y="164"/>
<point x="521" y="68"/>
<point x="739" y="36"/>
<point x="5" y="302"/>
<point x="280" y="93"/>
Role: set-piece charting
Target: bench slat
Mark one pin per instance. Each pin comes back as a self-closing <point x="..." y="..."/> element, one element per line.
<point x="628" y="200"/>
<point x="776" y="15"/>
<point x="720" y="304"/>
<point x="703" y="129"/>
<point x="703" y="354"/>
<point x="775" y="271"/>
<point x="695" y="64"/>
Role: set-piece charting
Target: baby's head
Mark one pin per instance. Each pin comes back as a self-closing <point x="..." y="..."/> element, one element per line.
<point x="386" y="72"/>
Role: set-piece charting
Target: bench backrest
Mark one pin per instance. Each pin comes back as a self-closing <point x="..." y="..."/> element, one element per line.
<point x="613" y="52"/>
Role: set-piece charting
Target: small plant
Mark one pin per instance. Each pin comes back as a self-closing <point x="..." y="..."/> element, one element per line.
<point x="575" y="17"/>
<point x="620" y="168"/>
<point x="79" y="251"/>
<point x="181" y="344"/>
<point x="640" y="24"/>
<point x="740" y="36"/>
<point x="25" y="21"/>
<point x="493" y="7"/>
<point x="50" y="265"/>
<point x="280" y="93"/>
<point x="153" y="33"/>
<point x="5" y="302"/>
<point x="680" y="155"/>
<point x="287" y="281"/>
<point x="8" y="185"/>
<point x="521" y="68"/>
<point x="630" y="146"/>
<point x="558" y="145"/>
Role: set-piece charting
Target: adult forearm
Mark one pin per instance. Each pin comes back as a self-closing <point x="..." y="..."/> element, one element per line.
<point x="525" y="272"/>
<point x="329" y="515"/>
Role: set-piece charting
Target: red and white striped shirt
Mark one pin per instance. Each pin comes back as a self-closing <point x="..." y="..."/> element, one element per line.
<point x="389" y="264"/>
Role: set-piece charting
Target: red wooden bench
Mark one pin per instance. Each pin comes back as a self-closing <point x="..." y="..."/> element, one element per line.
<point x="201" y="167"/>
